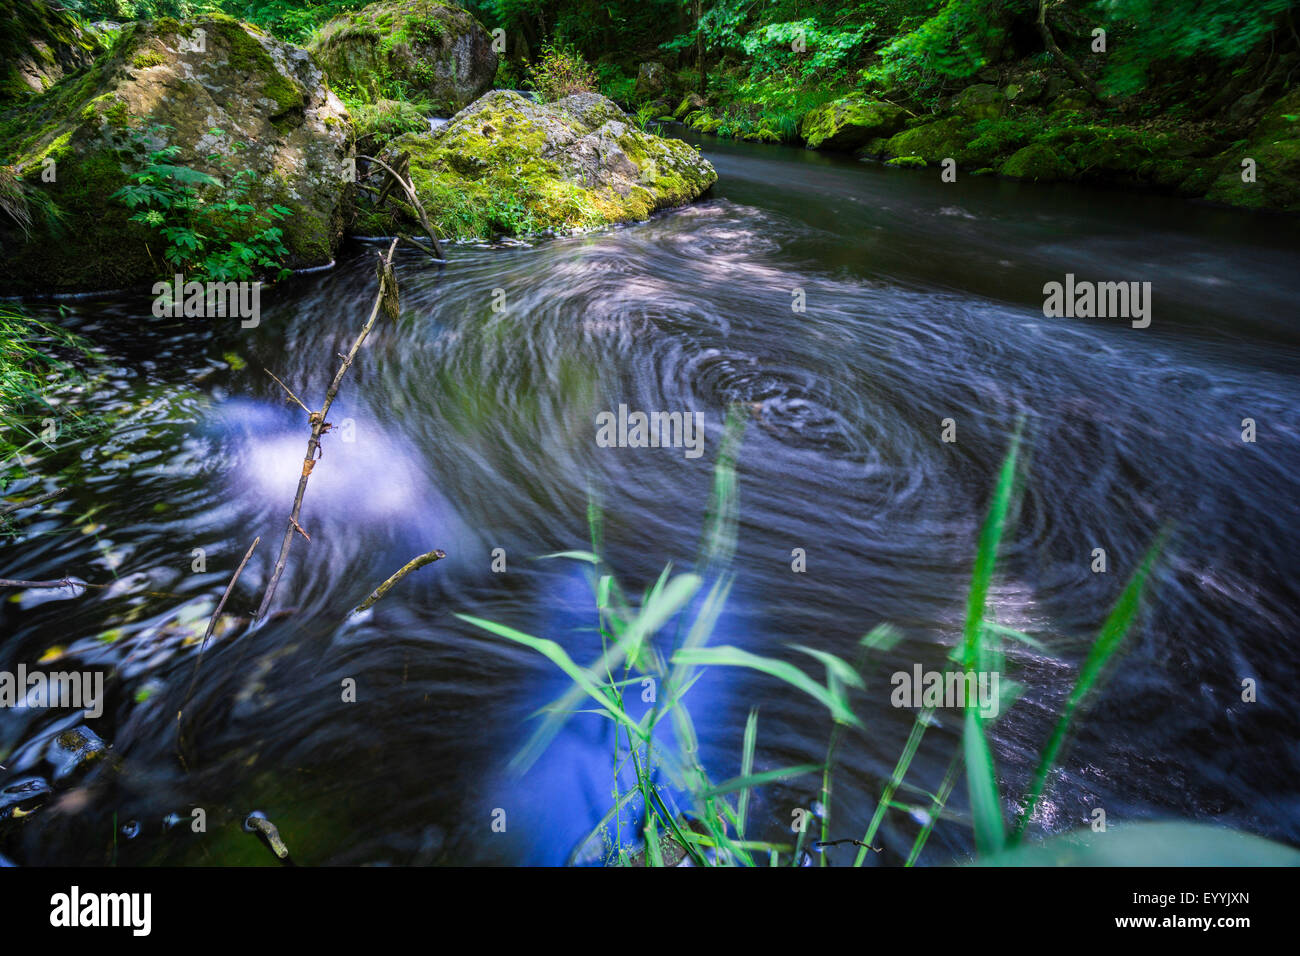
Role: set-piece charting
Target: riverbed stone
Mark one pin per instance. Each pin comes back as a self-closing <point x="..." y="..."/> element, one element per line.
<point x="850" y="122"/>
<point x="228" y="95"/>
<point x="20" y="797"/>
<point x="423" y="48"/>
<point x="73" y="753"/>
<point x="507" y="165"/>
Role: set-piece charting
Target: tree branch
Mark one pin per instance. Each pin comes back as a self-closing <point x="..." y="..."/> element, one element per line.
<point x="413" y="565"/>
<point x="386" y="297"/>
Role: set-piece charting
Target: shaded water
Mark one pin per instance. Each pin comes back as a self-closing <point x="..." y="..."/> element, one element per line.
<point x="472" y="429"/>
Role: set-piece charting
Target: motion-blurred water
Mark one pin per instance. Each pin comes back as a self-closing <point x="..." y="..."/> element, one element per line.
<point x="469" y="429"/>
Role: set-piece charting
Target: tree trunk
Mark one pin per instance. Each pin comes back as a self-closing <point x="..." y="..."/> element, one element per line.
<point x="1063" y="58"/>
<point x="699" y="49"/>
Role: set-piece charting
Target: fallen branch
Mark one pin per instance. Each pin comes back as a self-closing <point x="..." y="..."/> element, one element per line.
<point x="409" y="189"/>
<point x="31" y="502"/>
<point x="212" y="626"/>
<point x="64" y="583"/>
<point x="413" y="565"/>
<point x="387" y="299"/>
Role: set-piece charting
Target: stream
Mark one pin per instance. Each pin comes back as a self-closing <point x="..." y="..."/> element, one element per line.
<point x="468" y="425"/>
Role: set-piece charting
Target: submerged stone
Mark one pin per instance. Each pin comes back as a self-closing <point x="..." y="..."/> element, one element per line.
<point x="23" y="796"/>
<point x="73" y="753"/>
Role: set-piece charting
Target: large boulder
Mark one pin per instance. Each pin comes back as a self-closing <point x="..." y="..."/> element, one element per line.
<point x="850" y="122"/>
<point x="508" y="165"/>
<point x="40" y="43"/>
<point x="691" y="102"/>
<point x="409" y="49"/>
<point x="933" y="141"/>
<point x="651" y="81"/>
<point x="229" y="96"/>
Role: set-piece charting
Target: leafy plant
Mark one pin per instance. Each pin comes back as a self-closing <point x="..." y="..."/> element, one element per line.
<point x="561" y="71"/>
<point x="211" y="228"/>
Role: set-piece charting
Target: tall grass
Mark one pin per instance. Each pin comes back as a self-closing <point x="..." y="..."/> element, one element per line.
<point x="37" y="358"/>
<point x="680" y="812"/>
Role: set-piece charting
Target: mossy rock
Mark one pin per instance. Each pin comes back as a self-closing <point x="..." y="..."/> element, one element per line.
<point x="651" y="81"/>
<point x="424" y="49"/>
<point x="1275" y="148"/>
<point x="1037" y="162"/>
<point x="983" y="101"/>
<point x="244" y="101"/>
<point x="907" y="162"/>
<point x="1123" y="155"/>
<point x="1277" y="177"/>
<point x="40" y="43"/>
<point x="850" y="122"/>
<point x="1071" y="101"/>
<point x="509" y="166"/>
<point x="933" y="142"/>
<point x="690" y="103"/>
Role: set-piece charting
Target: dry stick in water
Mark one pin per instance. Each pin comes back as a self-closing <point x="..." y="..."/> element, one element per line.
<point x="413" y="565"/>
<point x="409" y="189"/>
<point x="65" y="583"/>
<point x="31" y="502"/>
<point x="387" y="299"/>
<point x="212" y="626"/>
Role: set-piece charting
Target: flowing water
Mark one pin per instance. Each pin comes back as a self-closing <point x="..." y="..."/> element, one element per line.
<point x="468" y="425"/>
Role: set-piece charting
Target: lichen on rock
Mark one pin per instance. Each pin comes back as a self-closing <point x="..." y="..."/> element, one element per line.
<point x="40" y="43"/>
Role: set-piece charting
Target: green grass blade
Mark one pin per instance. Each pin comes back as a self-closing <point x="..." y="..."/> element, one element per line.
<point x="985" y="801"/>
<point x="748" y="781"/>
<point x="1113" y="631"/>
<point x="728" y="656"/>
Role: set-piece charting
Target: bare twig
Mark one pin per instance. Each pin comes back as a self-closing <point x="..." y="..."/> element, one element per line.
<point x="212" y="626"/>
<point x="31" y="502"/>
<point x="64" y="583"/>
<point x="413" y="565"/>
<point x="288" y="391"/>
<point x="385" y="297"/>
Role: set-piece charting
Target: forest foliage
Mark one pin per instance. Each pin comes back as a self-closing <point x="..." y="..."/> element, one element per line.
<point x="781" y="45"/>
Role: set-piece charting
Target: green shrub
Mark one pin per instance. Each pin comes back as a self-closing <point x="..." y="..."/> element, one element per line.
<point x="561" y="71"/>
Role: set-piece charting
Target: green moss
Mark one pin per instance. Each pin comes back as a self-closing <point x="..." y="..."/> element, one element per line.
<point x="1037" y="162"/>
<point x="907" y="162"/>
<point x="932" y="142"/>
<point x="147" y="58"/>
<point x="490" y="173"/>
<point x="849" y="122"/>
